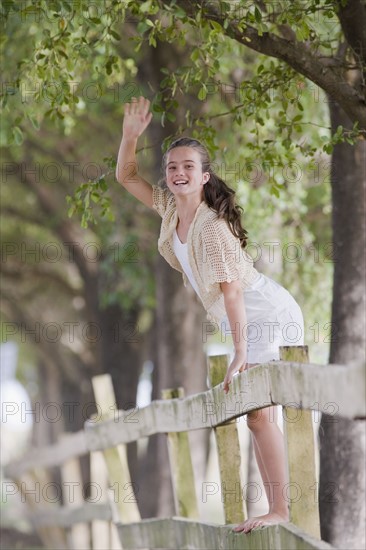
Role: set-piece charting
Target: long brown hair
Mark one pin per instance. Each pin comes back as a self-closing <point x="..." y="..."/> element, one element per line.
<point x="217" y="195"/>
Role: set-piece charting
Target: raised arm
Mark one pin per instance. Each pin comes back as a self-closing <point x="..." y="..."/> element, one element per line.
<point x="136" y="119"/>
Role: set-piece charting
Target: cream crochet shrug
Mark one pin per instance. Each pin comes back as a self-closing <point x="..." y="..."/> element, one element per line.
<point x="214" y="253"/>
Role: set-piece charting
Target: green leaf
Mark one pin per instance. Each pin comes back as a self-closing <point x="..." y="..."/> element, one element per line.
<point x="115" y="34"/>
<point x="257" y="15"/>
<point x="103" y="184"/>
<point x="63" y="54"/>
<point x="95" y="197"/>
<point x="157" y="108"/>
<point x="216" y="26"/>
<point x="152" y="40"/>
<point x="84" y="222"/>
<point x="71" y="211"/>
<point x="195" y="55"/>
<point x="145" y="6"/>
<point x="34" y="121"/>
<point x="339" y="131"/>
<point x="142" y="27"/>
<point x="202" y="94"/>
<point x="18" y="135"/>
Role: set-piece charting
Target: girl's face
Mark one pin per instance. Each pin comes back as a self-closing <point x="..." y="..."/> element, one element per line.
<point x="183" y="172"/>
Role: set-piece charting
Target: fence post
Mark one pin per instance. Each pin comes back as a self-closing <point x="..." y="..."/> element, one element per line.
<point x="115" y="457"/>
<point x="181" y="467"/>
<point x="229" y="453"/>
<point x="300" y="449"/>
<point x="78" y="535"/>
<point x="53" y="537"/>
<point x="100" y="530"/>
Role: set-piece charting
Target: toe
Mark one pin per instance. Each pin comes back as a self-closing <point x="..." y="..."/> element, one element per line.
<point x="249" y="527"/>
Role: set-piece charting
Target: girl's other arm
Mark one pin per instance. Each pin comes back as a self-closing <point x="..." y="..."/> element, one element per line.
<point x="235" y="310"/>
<point x="136" y="119"/>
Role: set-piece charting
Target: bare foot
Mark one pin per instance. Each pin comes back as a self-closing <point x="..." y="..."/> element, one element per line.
<point x="260" y="521"/>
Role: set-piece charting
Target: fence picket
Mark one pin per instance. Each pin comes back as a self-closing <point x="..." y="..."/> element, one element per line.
<point x="115" y="457"/>
<point x="34" y="488"/>
<point x="79" y="534"/>
<point x="181" y="467"/>
<point x="229" y="453"/>
<point x="299" y="436"/>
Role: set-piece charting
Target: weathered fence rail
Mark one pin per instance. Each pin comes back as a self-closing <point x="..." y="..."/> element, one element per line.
<point x="175" y="533"/>
<point x="333" y="389"/>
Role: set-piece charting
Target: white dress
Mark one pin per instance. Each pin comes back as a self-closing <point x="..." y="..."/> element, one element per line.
<point x="274" y="318"/>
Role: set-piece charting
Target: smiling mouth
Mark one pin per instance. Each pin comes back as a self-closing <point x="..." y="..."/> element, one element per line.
<point x="180" y="182"/>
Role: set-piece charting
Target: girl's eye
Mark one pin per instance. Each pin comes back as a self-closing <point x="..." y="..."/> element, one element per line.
<point x="171" y="168"/>
<point x="189" y="166"/>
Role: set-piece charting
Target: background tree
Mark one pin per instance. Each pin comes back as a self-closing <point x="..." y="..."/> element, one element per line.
<point x="99" y="297"/>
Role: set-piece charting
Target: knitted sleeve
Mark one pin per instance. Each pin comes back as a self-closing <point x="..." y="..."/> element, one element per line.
<point x="160" y="199"/>
<point x="223" y="258"/>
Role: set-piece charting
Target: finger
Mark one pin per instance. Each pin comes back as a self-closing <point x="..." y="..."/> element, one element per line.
<point x="134" y="103"/>
<point x="227" y="383"/>
<point x="148" y="119"/>
<point x="140" y="106"/>
<point x="145" y="107"/>
<point x="243" y="367"/>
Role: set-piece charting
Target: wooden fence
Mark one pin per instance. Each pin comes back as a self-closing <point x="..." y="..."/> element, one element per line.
<point x="295" y="384"/>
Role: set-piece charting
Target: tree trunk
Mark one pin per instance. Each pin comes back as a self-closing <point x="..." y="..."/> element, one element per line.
<point x="342" y="442"/>
<point x="177" y="345"/>
<point x="48" y="418"/>
<point x="122" y="351"/>
<point x="179" y="361"/>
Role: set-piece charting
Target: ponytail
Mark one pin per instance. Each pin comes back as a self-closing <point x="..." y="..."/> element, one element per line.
<point x="221" y="198"/>
<point x="217" y="195"/>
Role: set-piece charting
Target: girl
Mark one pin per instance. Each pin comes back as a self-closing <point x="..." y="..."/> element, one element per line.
<point x="202" y="237"/>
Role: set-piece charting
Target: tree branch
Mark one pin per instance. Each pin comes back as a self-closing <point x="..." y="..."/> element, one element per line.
<point x="23" y="271"/>
<point x="53" y="353"/>
<point x="307" y="64"/>
<point x="23" y="216"/>
<point x="63" y="228"/>
<point x="297" y="56"/>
